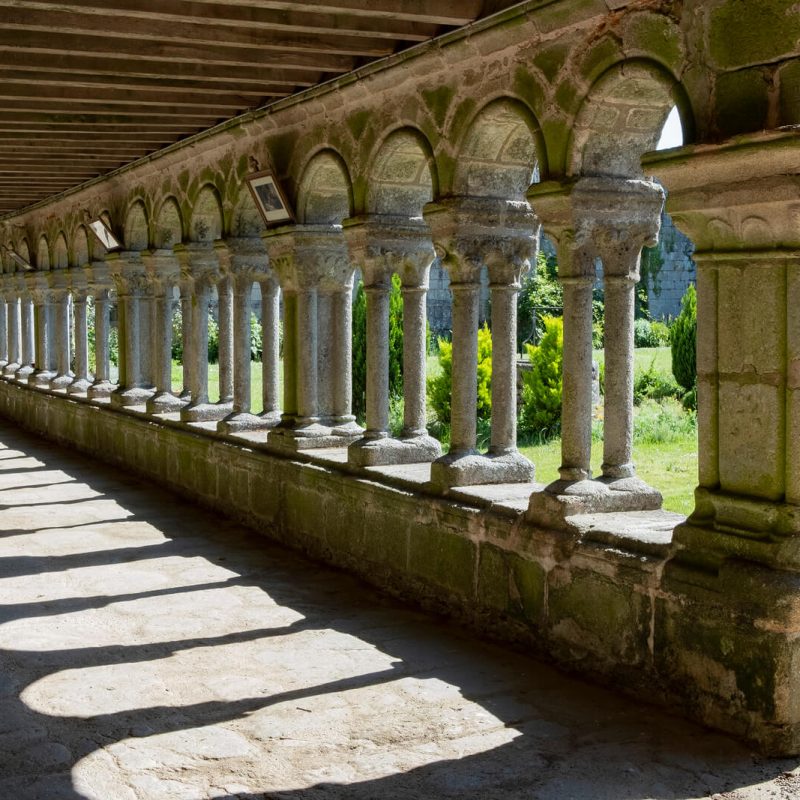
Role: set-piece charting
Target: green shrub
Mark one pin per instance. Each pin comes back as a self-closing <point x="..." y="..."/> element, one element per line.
<point x="177" y="338"/>
<point x="256" y="339"/>
<point x="650" y="384"/>
<point x="542" y="384"/>
<point x="650" y="334"/>
<point x="683" y="337"/>
<point x="540" y="287"/>
<point x="213" y="340"/>
<point x="360" y="346"/>
<point x="440" y="387"/>
<point x="662" y="422"/>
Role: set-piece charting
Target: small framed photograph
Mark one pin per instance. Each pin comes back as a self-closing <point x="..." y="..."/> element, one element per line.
<point x="18" y="260"/>
<point x="269" y="198"/>
<point x="103" y="233"/>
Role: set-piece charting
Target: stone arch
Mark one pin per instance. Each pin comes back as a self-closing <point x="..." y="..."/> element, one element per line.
<point x="206" y="219"/>
<point x="403" y="175"/>
<point x="169" y="224"/>
<point x="24" y="250"/>
<point x="60" y="252"/>
<point x="622" y="117"/>
<point x="246" y="220"/>
<point x="325" y="193"/>
<point x="43" y="253"/>
<point x="498" y="156"/>
<point x="136" y="230"/>
<point x="5" y="260"/>
<point x="80" y="246"/>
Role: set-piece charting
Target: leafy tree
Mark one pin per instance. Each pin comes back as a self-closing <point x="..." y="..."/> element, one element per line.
<point x="542" y="384"/>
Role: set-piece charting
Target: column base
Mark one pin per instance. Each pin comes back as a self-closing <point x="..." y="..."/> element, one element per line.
<point x="79" y="386"/>
<point x="23" y="373"/>
<point x="305" y="436"/>
<point x="61" y="382"/>
<point x="205" y="412"/>
<point x="100" y="389"/>
<point x="124" y="398"/>
<point x="10" y="368"/>
<point x="368" y="452"/>
<point x="473" y="469"/>
<point x="347" y="428"/>
<point x="41" y="378"/>
<point x="245" y="421"/>
<point x="163" y="403"/>
<point x="563" y="499"/>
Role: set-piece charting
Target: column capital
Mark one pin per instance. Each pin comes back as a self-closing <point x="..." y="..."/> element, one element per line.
<point x="742" y="195"/>
<point x="127" y="271"/>
<point x="310" y="256"/>
<point x="199" y="262"/>
<point x="79" y="284"/>
<point x="244" y="257"/>
<point x="472" y="232"/>
<point x="98" y="276"/>
<point x="21" y="285"/>
<point x="384" y="244"/>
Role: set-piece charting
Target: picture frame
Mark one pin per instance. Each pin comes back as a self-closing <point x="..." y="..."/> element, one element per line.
<point x="17" y="259"/>
<point x="269" y="198"/>
<point x="104" y="235"/>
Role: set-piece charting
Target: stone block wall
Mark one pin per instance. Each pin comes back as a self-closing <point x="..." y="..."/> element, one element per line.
<point x="673" y="270"/>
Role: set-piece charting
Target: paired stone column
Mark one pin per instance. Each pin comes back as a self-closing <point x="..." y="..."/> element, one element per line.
<point x="244" y="261"/>
<point x="59" y="284"/>
<point x="13" y="323"/>
<point x="4" y="294"/>
<point x="606" y="219"/>
<point x="385" y="245"/>
<point x="200" y="266"/>
<point x="99" y="281"/>
<point x="128" y="273"/>
<point x="503" y="235"/>
<point x="225" y="315"/>
<point x="270" y="349"/>
<point x="163" y="271"/>
<point x="80" y="293"/>
<point x="186" y="287"/>
<point x="314" y="270"/>
<point x="27" y="334"/>
<point x="42" y="302"/>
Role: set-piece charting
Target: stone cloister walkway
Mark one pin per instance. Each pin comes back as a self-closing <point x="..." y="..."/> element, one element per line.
<point x="151" y="650"/>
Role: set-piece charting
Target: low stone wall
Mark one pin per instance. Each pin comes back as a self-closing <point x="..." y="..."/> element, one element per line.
<point x="592" y="603"/>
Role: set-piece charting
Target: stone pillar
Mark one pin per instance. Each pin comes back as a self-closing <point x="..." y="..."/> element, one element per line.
<point x="82" y="381"/>
<point x="3" y="326"/>
<point x="729" y="592"/>
<point x="163" y="271"/>
<point x="225" y="310"/>
<point x="147" y="327"/>
<point x="472" y="232"/>
<point x="270" y="350"/>
<point x="128" y="272"/>
<point x="415" y="362"/>
<point x="99" y="283"/>
<point x="313" y="267"/>
<point x="61" y="334"/>
<point x="377" y="389"/>
<point x="610" y="219"/>
<point x="186" y="334"/>
<point x="200" y="266"/>
<point x="27" y="334"/>
<point x="13" y="319"/>
<point x="246" y="261"/>
<point x="42" y="299"/>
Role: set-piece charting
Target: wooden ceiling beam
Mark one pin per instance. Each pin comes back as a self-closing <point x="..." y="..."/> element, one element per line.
<point x="49" y="113"/>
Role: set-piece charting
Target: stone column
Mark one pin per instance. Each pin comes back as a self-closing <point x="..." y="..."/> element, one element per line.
<point x="472" y="232"/>
<point x="270" y="350"/>
<point x="13" y="319"/>
<point x="225" y="310"/>
<point x="246" y="261"/>
<point x="313" y="266"/>
<point x="186" y="334"/>
<point x="128" y="272"/>
<point x="99" y="282"/>
<point x="27" y="334"/>
<point x="343" y="420"/>
<point x="42" y="299"/>
<point x="147" y="327"/>
<point x="200" y="266"/>
<point x="415" y="362"/>
<point x="377" y="389"/>
<point x="163" y="270"/>
<point x="82" y="380"/>
<point x="3" y="326"/>
<point x="61" y="334"/>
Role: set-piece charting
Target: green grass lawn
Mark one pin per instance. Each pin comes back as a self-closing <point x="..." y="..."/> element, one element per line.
<point x="213" y="382"/>
<point x="643" y="357"/>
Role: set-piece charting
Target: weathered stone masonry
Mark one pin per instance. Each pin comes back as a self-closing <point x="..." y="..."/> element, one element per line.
<point x="433" y="152"/>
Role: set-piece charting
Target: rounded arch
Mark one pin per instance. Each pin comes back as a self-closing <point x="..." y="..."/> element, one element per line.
<point x="498" y="156"/>
<point x="60" y="252"/>
<point x="206" y="220"/>
<point x="246" y="219"/>
<point x="622" y="118"/>
<point x="24" y="249"/>
<point x="43" y="253"/>
<point x="135" y="231"/>
<point x="402" y="175"/>
<point x="80" y="246"/>
<point x="325" y="194"/>
<point x="169" y="224"/>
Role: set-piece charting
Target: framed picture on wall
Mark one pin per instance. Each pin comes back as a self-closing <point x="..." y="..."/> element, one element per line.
<point x="104" y="235"/>
<point x="269" y="198"/>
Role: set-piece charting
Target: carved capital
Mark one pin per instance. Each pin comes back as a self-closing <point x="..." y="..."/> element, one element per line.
<point x="470" y="233"/>
<point x="245" y="258"/>
<point x="199" y="263"/>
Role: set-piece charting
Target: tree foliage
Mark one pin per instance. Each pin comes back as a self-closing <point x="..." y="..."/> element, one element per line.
<point x="542" y="384"/>
<point x="683" y="338"/>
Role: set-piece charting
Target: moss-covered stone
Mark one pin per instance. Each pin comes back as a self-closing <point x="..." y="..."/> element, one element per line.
<point x="789" y="80"/>
<point x="445" y="559"/>
<point x="656" y="37"/>
<point x="599" y="57"/>
<point x="742" y="101"/>
<point x="438" y="101"/>
<point x="550" y="59"/>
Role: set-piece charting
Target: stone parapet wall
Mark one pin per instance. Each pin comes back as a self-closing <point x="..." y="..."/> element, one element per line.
<point x="595" y="602"/>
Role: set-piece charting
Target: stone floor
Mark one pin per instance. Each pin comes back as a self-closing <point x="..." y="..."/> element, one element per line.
<point x="151" y="650"/>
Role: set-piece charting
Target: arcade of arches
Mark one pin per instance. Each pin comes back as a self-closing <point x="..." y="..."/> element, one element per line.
<point x="431" y="153"/>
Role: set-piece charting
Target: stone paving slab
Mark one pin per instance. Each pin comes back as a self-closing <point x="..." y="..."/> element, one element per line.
<point x="150" y="650"/>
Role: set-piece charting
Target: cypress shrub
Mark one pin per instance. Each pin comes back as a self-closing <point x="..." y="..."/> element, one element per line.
<point x="683" y="338"/>
<point x="542" y="384"/>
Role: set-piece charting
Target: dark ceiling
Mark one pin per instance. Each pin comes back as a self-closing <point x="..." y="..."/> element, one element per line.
<point x="90" y="85"/>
